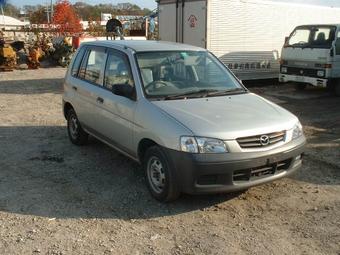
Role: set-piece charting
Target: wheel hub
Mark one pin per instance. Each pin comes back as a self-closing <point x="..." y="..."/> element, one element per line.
<point x="156" y="174"/>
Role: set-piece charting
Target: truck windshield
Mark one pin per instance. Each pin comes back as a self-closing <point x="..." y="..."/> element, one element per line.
<point x="312" y="37"/>
<point x="185" y="74"/>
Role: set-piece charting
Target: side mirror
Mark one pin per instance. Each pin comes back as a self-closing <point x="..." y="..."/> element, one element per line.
<point x="124" y="90"/>
<point x="337" y="46"/>
<point x="286" y="41"/>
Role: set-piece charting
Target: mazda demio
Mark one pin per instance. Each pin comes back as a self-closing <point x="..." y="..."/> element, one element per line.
<point x="178" y="111"/>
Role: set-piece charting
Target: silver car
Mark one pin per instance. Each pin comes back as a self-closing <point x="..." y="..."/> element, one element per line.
<point x="178" y="111"/>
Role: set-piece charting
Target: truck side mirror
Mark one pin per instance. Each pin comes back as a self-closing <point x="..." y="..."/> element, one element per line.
<point x="286" y="41"/>
<point x="337" y="46"/>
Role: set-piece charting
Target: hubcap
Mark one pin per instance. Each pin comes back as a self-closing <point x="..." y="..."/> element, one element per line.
<point x="73" y="127"/>
<point x="156" y="175"/>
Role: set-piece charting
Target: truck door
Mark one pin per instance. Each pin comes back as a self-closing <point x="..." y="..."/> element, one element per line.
<point x="194" y="22"/>
<point x="183" y="21"/>
<point x="167" y="21"/>
<point x="336" y="57"/>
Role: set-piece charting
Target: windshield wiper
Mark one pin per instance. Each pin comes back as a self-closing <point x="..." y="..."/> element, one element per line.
<point x="195" y="93"/>
<point x="227" y="92"/>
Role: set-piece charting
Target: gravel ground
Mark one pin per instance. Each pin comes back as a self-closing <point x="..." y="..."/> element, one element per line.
<point x="56" y="198"/>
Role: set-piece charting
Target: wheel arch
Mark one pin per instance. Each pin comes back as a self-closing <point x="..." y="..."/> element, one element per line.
<point x="143" y="145"/>
<point x="67" y="106"/>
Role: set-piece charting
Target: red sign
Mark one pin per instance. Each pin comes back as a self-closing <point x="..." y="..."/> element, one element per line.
<point x="192" y="20"/>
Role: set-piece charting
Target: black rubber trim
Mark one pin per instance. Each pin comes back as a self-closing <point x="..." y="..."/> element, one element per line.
<point x="190" y="167"/>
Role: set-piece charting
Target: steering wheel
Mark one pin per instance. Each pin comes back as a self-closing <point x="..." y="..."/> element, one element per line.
<point x="160" y="83"/>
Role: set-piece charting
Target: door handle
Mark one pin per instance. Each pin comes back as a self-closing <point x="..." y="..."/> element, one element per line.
<point x="74" y="88"/>
<point x="100" y="100"/>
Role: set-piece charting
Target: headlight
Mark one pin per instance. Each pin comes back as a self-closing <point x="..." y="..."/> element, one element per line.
<point x="189" y="144"/>
<point x="283" y="69"/>
<point x="321" y="73"/>
<point x="202" y="145"/>
<point x="297" y="131"/>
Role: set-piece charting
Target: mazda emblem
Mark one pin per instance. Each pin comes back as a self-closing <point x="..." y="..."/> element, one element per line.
<point x="264" y="140"/>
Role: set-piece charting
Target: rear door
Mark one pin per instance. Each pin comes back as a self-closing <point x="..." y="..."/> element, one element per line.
<point x="194" y="22"/>
<point x="90" y="81"/>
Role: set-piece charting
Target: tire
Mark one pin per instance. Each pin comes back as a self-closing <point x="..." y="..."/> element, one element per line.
<point x="300" y="86"/>
<point x="337" y="90"/>
<point x="334" y="87"/>
<point x="75" y="132"/>
<point x="160" y="177"/>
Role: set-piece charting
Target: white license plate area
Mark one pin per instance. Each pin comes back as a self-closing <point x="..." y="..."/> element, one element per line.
<point x="300" y="78"/>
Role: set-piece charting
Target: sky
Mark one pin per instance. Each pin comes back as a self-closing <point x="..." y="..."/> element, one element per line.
<point x="151" y="4"/>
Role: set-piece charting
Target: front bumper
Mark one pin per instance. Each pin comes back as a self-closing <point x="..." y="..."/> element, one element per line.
<point x="228" y="172"/>
<point x="318" y="82"/>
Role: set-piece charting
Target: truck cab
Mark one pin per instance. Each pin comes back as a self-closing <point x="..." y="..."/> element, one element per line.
<point x="311" y="56"/>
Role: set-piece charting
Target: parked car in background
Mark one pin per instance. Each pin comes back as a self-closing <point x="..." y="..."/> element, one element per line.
<point x="311" y="55"/>
<point x="178" y="111"/>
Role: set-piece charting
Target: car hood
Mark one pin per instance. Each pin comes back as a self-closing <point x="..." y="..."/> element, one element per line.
<point x="229" y="117"/>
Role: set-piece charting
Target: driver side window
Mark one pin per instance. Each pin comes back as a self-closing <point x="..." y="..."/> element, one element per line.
<point x="117" y="70"/>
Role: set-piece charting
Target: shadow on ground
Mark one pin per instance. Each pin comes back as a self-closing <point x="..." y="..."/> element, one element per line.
<point x="35" y="86"/>
<point x="43" y="174"/>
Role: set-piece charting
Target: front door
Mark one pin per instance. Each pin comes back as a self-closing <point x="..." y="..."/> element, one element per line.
<point x="116" y="113"/>
<point x="336" y="58"/>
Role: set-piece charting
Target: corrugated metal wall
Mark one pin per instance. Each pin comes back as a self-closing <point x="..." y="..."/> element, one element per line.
<point x="247" y="35"/>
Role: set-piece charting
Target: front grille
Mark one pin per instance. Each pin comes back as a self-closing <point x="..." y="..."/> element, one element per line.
<point x="303" y="71"/>
<point x="261" y="171"/>
<point x="259" y="141"/>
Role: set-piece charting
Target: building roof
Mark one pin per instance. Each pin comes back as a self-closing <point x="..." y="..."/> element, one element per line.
<point x="140" y="46"/>
<point x="9" y="21"/>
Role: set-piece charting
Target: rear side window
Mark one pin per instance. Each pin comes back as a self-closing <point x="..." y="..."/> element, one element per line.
<point x="93" y="65"/>
<point x="77" y="62"/>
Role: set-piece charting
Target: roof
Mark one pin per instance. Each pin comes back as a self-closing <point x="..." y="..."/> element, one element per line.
<point x="9" y="21"/>
<point x="139" y="45"/>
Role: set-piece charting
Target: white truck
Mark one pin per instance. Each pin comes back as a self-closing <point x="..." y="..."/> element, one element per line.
<point x="311" y="55"/>
<point x="246" y="35"/>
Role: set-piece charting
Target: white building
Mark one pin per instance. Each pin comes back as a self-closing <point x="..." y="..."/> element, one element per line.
<point x="10" y="23"/>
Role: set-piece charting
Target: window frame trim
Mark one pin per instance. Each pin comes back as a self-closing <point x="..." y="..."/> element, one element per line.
<point x="84" y="62"/>
<point x="110" y="51"/>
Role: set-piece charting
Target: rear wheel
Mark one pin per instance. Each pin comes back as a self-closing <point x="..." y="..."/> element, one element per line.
<point x="75" y="132"/>
<point x="160" y="177"/>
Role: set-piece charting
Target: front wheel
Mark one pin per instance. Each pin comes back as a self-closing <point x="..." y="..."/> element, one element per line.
<point x="75" y="132"/>
<point x="300" y="86"/>
<point x="160" y="177"/>
<point x="334" y="87"/>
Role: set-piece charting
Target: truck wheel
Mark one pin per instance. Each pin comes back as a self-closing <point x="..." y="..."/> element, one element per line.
<point x="75" y="132"/>
<point x="337" y="89"/>
<point x="160" y="177"/>
<point x="300" y="86"/>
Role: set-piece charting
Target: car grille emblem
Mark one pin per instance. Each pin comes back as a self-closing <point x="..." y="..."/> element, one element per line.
<point x="264" y="140"/>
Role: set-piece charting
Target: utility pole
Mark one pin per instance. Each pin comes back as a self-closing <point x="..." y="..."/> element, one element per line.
<point x="52" y="11"/>
<point x="47" y="10"/>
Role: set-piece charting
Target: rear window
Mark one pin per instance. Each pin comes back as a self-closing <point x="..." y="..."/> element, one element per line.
<point x="77" y="61"/>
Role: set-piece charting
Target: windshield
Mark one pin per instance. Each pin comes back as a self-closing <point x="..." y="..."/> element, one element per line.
<point x="185" y="73"/>
<point x="312" y="37"/>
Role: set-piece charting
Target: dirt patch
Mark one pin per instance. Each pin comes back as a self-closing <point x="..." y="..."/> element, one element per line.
<point x="56" y="198"/>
